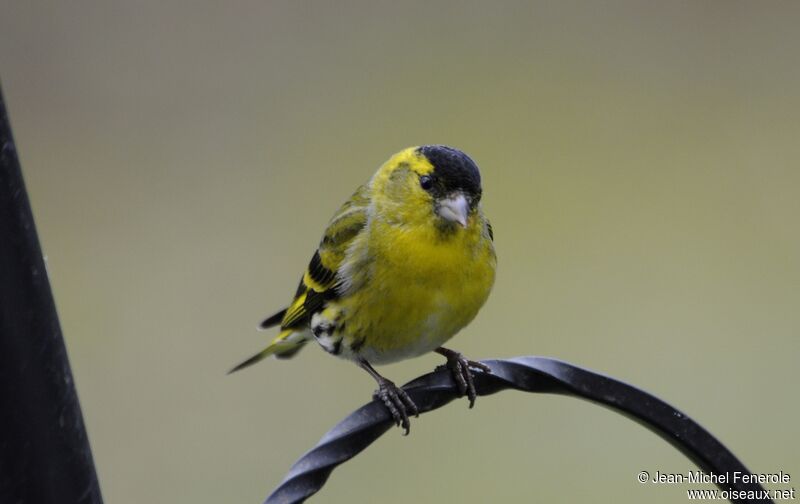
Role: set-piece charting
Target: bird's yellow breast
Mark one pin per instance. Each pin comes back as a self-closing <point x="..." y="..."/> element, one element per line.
<point x="423" y="286"/>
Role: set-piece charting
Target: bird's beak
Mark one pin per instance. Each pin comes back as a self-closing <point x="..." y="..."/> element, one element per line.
<point x="455" y="209"/>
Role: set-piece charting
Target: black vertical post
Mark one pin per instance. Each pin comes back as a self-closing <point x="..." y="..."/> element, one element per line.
<point x="44" y="452"/>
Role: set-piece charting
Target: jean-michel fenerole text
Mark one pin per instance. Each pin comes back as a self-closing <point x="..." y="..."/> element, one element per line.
<point x="720" y="478"/>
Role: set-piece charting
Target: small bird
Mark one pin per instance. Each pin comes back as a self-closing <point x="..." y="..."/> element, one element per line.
<point x="404" y="265"/>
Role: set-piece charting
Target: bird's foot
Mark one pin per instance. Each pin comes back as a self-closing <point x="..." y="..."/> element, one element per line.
<point x="462" y="369"/>
<point x="398" y="402"/>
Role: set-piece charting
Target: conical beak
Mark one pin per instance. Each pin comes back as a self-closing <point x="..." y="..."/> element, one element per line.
<point x="455" y="209"/>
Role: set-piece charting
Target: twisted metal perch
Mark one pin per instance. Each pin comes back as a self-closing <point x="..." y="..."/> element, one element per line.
<point x="529" y="374"/>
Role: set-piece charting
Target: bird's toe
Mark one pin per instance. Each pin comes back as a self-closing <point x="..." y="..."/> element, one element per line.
<point x="398" y="402"/>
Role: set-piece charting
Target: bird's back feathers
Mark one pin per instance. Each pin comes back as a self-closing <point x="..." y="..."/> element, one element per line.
<point x="319" y="283"/>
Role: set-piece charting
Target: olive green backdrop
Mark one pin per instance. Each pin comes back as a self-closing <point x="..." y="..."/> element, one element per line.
<point x="640" y="166"/>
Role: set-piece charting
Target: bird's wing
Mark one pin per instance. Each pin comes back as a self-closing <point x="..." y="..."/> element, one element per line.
<point x="320" y="280"/>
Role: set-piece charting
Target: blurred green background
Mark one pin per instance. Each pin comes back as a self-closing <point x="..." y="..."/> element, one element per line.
<point x="640" y="166"/>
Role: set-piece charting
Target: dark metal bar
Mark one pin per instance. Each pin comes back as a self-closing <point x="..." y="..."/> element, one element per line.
<point x="44" y="452"/>
<point x="529" y="374"/>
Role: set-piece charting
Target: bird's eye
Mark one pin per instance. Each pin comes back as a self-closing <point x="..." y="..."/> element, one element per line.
<point x="426" y="182"/>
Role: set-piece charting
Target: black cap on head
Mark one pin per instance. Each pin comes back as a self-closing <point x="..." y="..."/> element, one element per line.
<point x="453" y="170"/>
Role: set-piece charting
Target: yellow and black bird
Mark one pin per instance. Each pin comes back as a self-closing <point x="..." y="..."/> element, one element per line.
<point x="403" y="265"/>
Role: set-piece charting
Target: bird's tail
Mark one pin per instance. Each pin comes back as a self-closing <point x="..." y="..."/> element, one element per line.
<point x="285" y="345"/>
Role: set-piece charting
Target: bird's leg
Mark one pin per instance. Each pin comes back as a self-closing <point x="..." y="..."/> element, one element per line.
<point x="461" y="367"/>
<point x="395" y="398"/>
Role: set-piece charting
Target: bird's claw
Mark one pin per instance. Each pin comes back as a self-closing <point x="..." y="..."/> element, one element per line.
<point x="461" y="368"/>
<point x="397" y="402"/>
